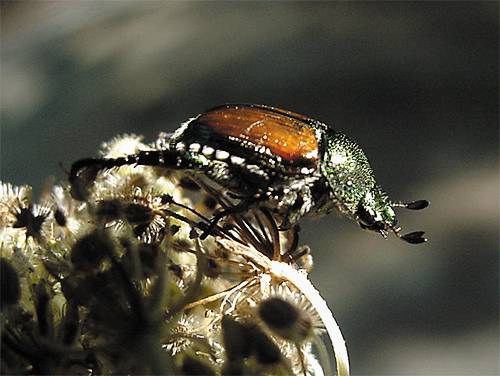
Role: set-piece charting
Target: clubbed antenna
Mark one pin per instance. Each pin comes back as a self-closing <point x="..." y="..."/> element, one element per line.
<point x="412" y="205"/>
<point x="415" y="237"/>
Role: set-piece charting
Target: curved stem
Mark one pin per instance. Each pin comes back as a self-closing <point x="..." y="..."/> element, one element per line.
<point x="285" y="271"/>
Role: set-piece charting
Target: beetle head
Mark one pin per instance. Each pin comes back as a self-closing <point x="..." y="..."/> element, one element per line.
<point x="355" y="191"/>
<point x="375" y="212"/>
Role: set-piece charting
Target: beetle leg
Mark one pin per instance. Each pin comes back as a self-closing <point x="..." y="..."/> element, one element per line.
<point x="84" y="172"/>
<point x="241" y="207"/>
<point x="297" y="201"/>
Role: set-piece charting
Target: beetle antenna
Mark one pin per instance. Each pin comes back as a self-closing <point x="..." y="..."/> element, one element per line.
<point x="415" y="237"/>
<point x="412" y="205"/>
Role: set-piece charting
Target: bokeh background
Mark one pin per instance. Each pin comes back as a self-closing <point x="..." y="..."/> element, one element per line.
<point x="415" y="83"/>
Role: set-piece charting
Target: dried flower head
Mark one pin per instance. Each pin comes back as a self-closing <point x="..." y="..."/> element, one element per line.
<point x="122" y="283"/>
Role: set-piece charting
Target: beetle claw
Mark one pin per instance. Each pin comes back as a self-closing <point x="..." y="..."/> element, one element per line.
<point x="383" y="233"/>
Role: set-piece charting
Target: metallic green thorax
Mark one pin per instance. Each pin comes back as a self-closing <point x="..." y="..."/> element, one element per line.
<point x="353" y="184"/>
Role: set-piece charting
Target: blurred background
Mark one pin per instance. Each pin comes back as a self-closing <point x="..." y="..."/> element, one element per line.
<point x="415" y="83"/>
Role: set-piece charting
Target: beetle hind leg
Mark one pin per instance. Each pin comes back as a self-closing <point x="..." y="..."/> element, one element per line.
<point x="241" y="207"/>
<point x="84" y="172"/>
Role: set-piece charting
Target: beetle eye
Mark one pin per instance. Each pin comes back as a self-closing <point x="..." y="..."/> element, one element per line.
<point x="364" y="216"/>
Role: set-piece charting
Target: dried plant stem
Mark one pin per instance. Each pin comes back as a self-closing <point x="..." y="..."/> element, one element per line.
<point x="219" y="295"/>
<point x="285" y="271"/>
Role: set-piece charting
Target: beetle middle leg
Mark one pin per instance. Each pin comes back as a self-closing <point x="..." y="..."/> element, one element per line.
<point x="247" y="182"/>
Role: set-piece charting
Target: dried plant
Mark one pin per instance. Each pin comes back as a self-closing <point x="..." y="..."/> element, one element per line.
<point x="122" y="283"/>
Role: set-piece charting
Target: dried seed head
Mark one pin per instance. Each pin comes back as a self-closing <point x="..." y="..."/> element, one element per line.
<point x="90" y="250"/>
<point x="194" y="366"/>
<point x="12" y="197"/>
<point x="9" y="285"/>
<point x="60" y="217"/>
<point x="266" y="350"/>
<point x="243" y="340"/>
<point x="32" y="219"/>
<point x="210" y="202"/>
<point x="109" y="210"/>
<point x="285" y="319"/>
<point x="122" y="145"/>
<point x="137" y="214"/>
<point x="237" y="339"/>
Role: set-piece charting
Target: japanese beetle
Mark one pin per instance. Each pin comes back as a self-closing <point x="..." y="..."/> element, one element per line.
<point x="266" y="156"/>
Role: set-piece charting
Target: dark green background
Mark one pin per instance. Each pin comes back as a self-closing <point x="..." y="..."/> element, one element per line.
<point x="415" y="83"/>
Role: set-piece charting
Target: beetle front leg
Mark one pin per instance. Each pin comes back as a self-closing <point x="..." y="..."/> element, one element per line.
<point x="296" y="202"/>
